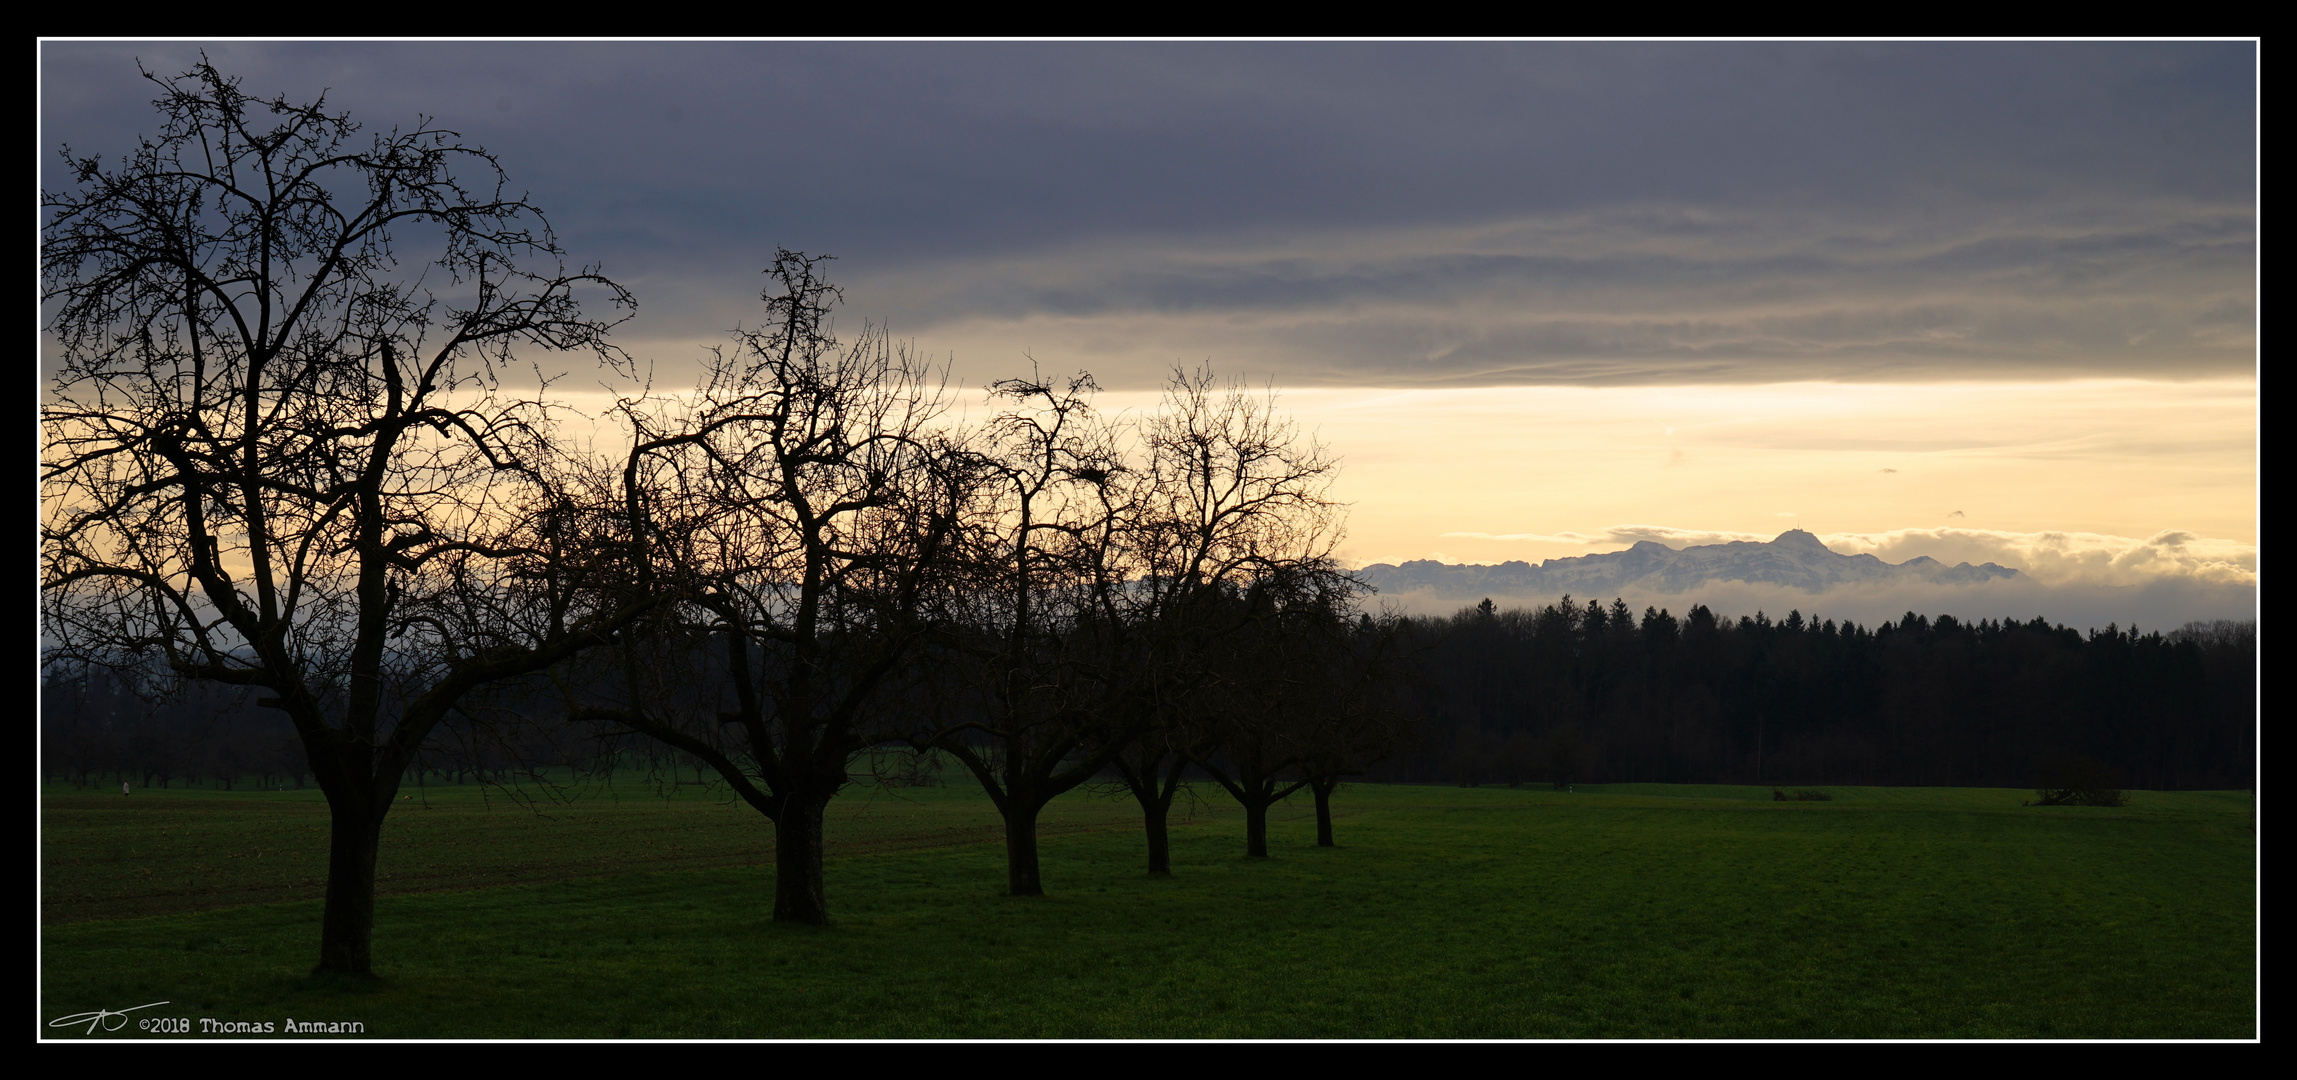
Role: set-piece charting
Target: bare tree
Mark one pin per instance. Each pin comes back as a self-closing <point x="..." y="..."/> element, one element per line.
<point x="1267" y="716"/>
<point x="1037" y="708"/>
<point x="1356" y="721"/>
<point x="1235" y="519"/>
<point x="1101" y="590"/>
<point x="810" y="493"/>
<point x="279" y="448"/>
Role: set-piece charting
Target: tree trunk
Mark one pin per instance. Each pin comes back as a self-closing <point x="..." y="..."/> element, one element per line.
<point x="798" y="893"/>
<point x="1154" y="788"/>
<point x="347" y="927"/>
<point x="1323" y="786"/>
<point x="1153" y="814"/>
<point x="1256" y="830"/>
<point x="1021" y="878"/>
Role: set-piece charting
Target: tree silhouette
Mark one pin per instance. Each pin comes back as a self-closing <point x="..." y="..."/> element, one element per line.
<point x="1356" y="683"/>
<point x="1036" y="713"/>
<point x="1234" y="537"/>
<point x="282" y="451"/>
<point x="807" y="493"/>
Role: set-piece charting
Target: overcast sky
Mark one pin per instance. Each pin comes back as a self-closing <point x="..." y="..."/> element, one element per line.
<point x="1369" y="213"/>
<point x="1999" y="220"/>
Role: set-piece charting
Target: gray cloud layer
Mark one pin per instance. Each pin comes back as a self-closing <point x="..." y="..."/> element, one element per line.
<point x="1658" y="295"/>
<point x="1406" y="213"/>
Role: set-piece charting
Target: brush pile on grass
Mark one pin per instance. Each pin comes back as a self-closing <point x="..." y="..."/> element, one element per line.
<point x="2079" y="796"/>
<point x="2079" y="782"/>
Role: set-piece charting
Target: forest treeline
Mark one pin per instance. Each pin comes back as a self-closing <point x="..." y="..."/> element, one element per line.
<point x="1569" y="692"/>
<point x="1558" y="694"/>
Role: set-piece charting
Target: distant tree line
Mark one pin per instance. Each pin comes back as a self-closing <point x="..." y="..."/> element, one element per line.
<point x="1569" y="692"/>
<point x="96" y="728"/>
<point x="1504" y="697"/>
<point x="104" y="726"/>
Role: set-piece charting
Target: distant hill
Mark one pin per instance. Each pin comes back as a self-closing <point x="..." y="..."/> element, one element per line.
<point x="1796" y="560"/>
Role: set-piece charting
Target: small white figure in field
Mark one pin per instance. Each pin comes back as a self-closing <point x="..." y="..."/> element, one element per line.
<point x="123" y="787"/>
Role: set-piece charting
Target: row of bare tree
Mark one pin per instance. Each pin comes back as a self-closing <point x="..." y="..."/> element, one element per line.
<point x="297" y="441"/>
<point x="1043" y="596"/>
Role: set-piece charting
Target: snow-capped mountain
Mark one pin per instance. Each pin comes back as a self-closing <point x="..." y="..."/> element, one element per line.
<point x="1796" y="559"/>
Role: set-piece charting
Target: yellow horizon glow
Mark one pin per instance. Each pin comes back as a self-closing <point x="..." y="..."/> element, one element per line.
<point x="2120" y="457"/>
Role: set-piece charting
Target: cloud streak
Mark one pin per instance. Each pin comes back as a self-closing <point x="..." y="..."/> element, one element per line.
<point x="1635" y="296"/>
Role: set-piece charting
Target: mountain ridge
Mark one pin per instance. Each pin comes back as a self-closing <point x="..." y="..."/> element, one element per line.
<point x="1795" y="559"/>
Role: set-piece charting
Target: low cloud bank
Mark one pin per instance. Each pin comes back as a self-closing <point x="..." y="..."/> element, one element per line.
<point x="2083" y="580"/>
<point x="2049" y="558"/>
<point x="2069" y="558"/>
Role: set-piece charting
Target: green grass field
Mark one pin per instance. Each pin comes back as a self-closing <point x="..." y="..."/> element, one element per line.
<point x="1621" y="911"/>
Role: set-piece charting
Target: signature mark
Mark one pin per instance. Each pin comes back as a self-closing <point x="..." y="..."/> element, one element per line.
<point x="112" y="1021"/>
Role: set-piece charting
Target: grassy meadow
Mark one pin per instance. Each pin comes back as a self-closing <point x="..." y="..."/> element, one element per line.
<point x="1618" y="911"/>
